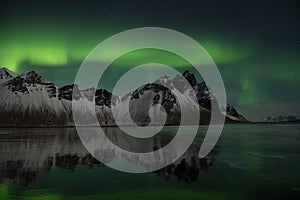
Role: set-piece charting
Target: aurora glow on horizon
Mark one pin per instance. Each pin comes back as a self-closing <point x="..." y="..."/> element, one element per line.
<point x="255" y="45"/>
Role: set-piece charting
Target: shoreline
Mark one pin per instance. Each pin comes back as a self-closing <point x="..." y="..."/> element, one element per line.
<point x="168" y="125"/>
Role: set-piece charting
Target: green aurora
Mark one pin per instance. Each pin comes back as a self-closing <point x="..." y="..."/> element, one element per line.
<point x="257" y="53"/>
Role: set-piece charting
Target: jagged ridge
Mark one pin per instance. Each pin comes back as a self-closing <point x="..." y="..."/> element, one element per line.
<point x="30" y="100"/>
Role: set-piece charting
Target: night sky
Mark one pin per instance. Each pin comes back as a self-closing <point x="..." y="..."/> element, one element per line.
<point x="255" y="44"/>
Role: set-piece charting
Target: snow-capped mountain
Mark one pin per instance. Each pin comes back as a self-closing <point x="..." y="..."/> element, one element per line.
<point x="30" y="100"/>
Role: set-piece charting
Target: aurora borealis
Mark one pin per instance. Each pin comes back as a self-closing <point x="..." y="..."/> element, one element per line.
<point x="256" y="45"/>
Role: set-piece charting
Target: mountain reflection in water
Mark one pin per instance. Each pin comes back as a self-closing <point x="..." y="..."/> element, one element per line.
<point x="26" y="155"/>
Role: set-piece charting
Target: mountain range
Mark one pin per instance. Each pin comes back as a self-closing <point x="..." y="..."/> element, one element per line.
<point x="281" y="118"/>
<point x="30" y="100"/>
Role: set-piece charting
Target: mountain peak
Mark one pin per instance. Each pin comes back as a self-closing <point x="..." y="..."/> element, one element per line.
<point x="33" y="78"/>
<point x="190" y="77"/>
<point x="6" y="74"/>
<point x="31" y="72"/>
<point x="181" y="82"/>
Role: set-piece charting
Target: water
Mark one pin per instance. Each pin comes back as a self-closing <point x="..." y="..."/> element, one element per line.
<point x="250" y="161"/>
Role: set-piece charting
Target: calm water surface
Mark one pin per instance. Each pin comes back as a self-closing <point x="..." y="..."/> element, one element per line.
<point x="250" y="161"/>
